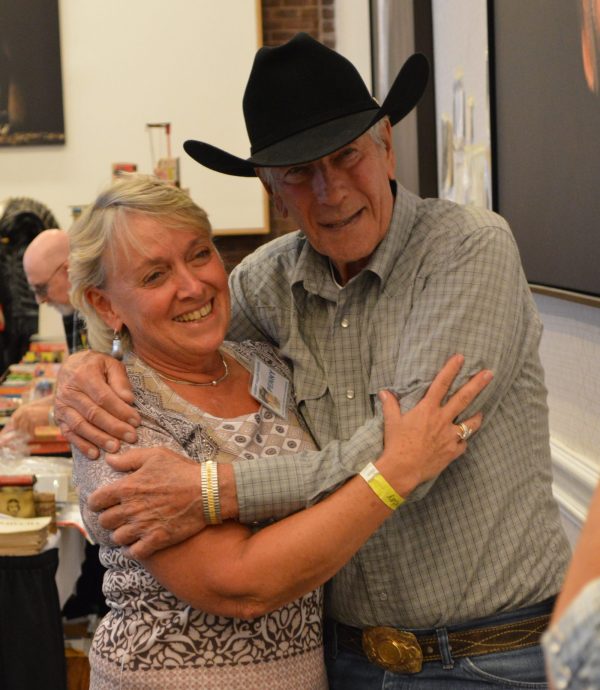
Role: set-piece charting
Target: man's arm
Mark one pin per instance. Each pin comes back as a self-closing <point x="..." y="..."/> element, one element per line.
<point x="93" y="403"/>
<point x="159" y="504"/>
<point x="472" y="300"/>
<point x="26" y="417"/>
<point x="138" y="517"/>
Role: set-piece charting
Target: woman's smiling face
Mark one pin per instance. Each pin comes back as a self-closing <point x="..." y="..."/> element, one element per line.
<point x="168" y="286"/>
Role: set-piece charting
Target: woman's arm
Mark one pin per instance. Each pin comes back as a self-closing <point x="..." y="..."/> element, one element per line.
<point x="26" y="417"/>
<point x="228" y="570"/>
<point x="585" y="565"/>
<point x="571" y="643"/>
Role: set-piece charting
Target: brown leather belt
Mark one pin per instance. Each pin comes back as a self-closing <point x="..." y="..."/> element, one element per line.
<point x="402" y="651"/>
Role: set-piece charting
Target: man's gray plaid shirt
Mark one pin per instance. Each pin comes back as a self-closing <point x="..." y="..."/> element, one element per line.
<point x="486" y="535"/>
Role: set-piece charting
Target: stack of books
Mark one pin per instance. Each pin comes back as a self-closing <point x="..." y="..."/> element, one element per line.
<point x="23" y="536"/>
<point x="47" y="440"/>
<point x="27" y="382"/>
<point x="46" y="351"/>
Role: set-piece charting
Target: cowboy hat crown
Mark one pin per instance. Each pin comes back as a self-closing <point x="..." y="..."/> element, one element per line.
<point x="303" y="101"/>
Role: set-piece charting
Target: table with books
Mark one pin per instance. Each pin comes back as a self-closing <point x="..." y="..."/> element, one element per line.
<point x="31" y="635"/>
<point x="33" y="380"/>
<point x="40" y="560"/>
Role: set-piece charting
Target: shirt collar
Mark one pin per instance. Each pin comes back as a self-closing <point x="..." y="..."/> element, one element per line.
<point x="385" y="257"/>
<point x="312" y="271"/>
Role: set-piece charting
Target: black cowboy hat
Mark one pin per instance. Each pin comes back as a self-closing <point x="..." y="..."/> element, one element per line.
<point x="303" y="101"/>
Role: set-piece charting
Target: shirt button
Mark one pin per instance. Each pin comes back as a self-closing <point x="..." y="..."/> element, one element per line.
<point x="344" y="323"/>
<point x="383" y="596"/>
<point x="350" y="394"/>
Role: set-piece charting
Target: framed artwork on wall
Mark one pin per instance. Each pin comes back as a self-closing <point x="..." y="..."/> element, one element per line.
<point x="31" y="102"/>
<point x="462" y="102"/>
<point x="544" y="69"/>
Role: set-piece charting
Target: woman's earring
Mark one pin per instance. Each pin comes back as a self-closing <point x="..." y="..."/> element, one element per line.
<point x="116" y="350"/>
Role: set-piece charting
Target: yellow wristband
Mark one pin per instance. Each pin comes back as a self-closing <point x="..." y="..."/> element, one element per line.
<point x="381" y="487"/>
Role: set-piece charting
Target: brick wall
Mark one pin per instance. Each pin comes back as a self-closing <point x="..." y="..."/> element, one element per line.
<point x="281" y="19"/>
<point x="284" y="18"/>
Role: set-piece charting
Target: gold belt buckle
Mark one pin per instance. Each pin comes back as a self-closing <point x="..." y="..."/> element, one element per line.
<point x="394" y="650"/>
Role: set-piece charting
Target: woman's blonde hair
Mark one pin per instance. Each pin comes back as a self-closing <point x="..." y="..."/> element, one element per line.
<point x="104" y="226"/>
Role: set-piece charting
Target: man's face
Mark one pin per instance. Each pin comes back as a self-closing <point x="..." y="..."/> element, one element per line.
<point x="342" y="202"/>
<point x="51" y="287"/>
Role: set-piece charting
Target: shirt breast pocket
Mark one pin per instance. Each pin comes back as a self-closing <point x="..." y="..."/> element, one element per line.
<point x="381" y="376"/>
<point x="310" y="383"/>
<point x="312" y="399"/>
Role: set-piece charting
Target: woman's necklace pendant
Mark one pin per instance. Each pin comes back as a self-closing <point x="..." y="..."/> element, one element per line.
<point x="214" y="382"/>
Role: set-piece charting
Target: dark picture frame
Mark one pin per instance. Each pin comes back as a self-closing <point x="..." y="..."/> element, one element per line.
<point x="545" y="123"/>
<point x="31" y="100"/>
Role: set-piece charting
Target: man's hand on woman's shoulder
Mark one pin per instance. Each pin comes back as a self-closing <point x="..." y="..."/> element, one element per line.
<point x="93" y="403"/>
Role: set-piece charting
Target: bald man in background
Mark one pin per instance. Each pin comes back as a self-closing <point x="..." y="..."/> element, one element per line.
<point x="46" y="263"/>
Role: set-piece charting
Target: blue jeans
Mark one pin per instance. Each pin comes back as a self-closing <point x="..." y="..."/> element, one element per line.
<point x="522" y="668"/>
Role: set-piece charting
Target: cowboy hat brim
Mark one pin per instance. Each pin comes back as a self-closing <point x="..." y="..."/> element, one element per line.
<point x="325" y="138"/>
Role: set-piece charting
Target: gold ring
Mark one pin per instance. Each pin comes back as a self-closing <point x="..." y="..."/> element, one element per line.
<point x="464" y="432"/>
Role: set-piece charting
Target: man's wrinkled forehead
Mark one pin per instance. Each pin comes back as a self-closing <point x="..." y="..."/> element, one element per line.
<point x="276" y="172"/>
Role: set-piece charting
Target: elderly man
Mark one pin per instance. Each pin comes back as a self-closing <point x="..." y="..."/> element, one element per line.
<point x="375" y="290"/>
<point x="46" y="265"/>
<point x="46" y="262"/>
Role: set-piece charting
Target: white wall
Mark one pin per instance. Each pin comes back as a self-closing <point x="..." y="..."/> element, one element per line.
<point x="353" y="40"/>
<point x="126" y="64"/>
<point x="570" y="353"/>
<point x="50" y="325"/>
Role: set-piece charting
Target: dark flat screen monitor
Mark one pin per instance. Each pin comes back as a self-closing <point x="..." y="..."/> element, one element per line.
<point x="545" y="106"/>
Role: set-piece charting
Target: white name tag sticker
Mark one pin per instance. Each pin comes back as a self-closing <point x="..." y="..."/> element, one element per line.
<point x="270" y="388"/>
